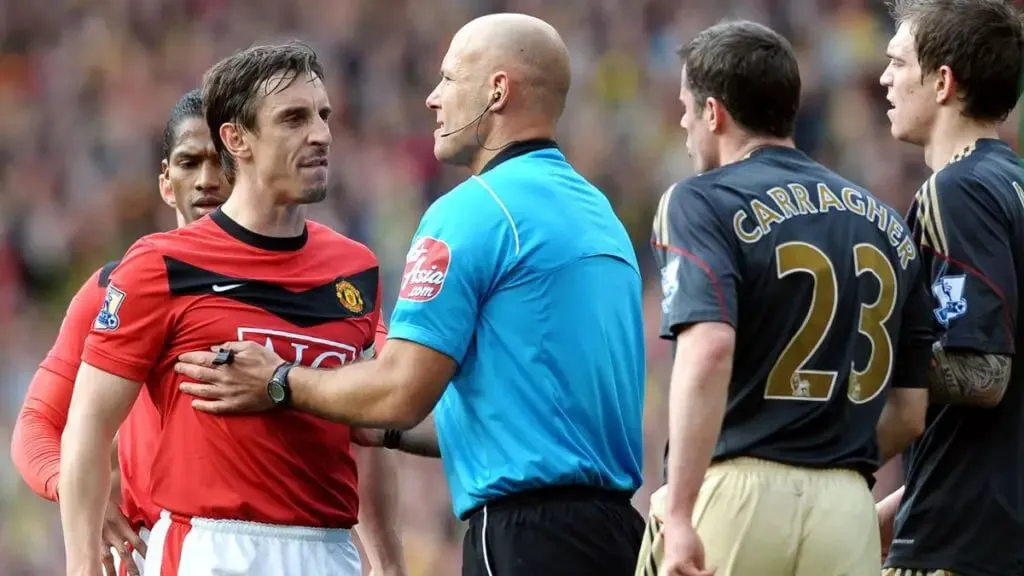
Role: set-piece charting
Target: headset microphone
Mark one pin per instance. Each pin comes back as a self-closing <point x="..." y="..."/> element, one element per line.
<point x="494" y="98"/>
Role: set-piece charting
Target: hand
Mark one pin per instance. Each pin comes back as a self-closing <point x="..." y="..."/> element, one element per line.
<point x="368" y="437"/>
<point x="240" y="386"/>
<point x="886" y="510"/>
<point x="684" y="552"/>
<point x="119" y="535"/>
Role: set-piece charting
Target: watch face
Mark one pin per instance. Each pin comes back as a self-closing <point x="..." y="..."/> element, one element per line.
<point x="276" y="392"/>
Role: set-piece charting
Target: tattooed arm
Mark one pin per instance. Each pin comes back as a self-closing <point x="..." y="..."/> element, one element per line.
<point x="967" y="378"/>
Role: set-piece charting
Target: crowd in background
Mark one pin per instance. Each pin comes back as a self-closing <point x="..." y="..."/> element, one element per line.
<point x="86" y="87"/>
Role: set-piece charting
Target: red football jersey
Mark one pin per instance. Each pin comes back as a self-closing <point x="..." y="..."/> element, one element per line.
<point x="49" y="398"/>
<point x="313" y="299"/>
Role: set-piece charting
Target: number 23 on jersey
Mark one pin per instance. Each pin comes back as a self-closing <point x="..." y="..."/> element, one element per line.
<point x="789" y="379"/>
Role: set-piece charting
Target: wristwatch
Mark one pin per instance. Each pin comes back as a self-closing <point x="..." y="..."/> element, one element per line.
<point x="278" y="389"/>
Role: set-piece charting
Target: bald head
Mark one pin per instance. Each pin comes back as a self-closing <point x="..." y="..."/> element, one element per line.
<point x="527" y="49"/>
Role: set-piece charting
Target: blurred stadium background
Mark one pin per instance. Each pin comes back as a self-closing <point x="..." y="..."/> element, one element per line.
<point x="86" y="86"/>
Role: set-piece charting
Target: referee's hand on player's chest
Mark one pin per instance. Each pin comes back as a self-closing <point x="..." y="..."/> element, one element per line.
<point x="232" y="382"/>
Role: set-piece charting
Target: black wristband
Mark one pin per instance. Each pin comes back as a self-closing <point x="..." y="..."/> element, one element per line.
<point x="392" y="438"/>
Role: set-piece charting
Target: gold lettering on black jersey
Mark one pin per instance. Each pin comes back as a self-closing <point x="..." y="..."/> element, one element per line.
<point x="878" y="213"/>
<point x="794" y="201"/>
<point x="783" y="202"/>
<point x="906" y="252"/>
<point x="803" y="199"/>
<point x="854" y="201"/>
<point x="765" y="216"/>
<point x="827" y="199"/>
<point x="751" y="235"/>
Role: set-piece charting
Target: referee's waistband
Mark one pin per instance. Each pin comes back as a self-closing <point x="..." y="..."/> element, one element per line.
<point x="564" y="493"/>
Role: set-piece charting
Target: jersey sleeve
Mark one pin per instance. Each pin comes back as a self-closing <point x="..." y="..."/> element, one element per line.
<point x="459" y="251"/>
<point x="697" y="257"/>
<point x="917" y="334"/>
<point x="973" y="282"/>
<point x="35" y="445"/>
<point x="133" y="323"/>
<point x="65" y="355"/>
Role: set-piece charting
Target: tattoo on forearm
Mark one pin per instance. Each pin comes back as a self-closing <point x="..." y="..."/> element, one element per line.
<point x="967" y="378"/>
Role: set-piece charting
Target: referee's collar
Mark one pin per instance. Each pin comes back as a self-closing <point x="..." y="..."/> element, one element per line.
<point x="518" y="149"/>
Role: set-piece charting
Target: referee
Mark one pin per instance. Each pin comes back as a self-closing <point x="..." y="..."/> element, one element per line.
<point x="518" y="323"/>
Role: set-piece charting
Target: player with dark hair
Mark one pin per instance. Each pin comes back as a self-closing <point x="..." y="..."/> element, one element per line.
<point x="781" y="413"/>
<point x="952" y="79"/>
<point x="192" y="183"/>
<point x="504" y="328"/>
<point x="271" y="494"/>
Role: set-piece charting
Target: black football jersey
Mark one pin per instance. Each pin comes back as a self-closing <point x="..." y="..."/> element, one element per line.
<point x="963" y="506"/>
<point x="824" y="286"/>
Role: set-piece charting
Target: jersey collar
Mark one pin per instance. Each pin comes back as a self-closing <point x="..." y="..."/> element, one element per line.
<point x="518" y="149"/>
<point x="272" y="243"/>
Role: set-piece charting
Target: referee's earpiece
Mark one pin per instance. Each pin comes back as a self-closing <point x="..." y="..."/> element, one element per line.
<point x="495" y="97"/>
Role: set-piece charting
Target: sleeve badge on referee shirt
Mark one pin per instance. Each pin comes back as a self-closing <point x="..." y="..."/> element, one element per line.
<point x="107" y="319"/>
<point x="349" y="296"/>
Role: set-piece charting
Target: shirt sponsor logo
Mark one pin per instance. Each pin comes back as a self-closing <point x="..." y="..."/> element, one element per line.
<point x="426" y="267"/>
<point x="305" y="350"/>
<point x="949" y="293"/>
<point x="108" y="318"/>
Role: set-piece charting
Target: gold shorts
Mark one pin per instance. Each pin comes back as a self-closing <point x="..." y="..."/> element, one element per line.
<point x="762" y="518"/>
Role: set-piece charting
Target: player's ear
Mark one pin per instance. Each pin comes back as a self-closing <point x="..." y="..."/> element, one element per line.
<point x="166" y="192"/>
<point x="233" y="137"/>
<point x="714" y="115"/>
<point x="945" y="85"/>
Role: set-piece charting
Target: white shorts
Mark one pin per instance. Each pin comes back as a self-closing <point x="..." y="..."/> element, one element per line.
<point x="206" y="547"/>
<point x="139" y="560"/>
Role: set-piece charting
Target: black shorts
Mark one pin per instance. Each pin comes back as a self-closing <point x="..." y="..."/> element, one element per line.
<point x="566" y="531"/>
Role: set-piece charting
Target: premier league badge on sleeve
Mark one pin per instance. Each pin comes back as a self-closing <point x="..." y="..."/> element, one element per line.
<point x="949" y="292"/>
<point x="669" y="283"/>
<point x="108" y="319"/>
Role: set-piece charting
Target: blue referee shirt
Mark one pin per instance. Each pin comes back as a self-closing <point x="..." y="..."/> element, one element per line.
<point x="527" y="279"/>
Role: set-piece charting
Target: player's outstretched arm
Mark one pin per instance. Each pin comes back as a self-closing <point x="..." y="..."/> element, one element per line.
<point x="99" y="404"/>
<point x="397" y="390"/>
